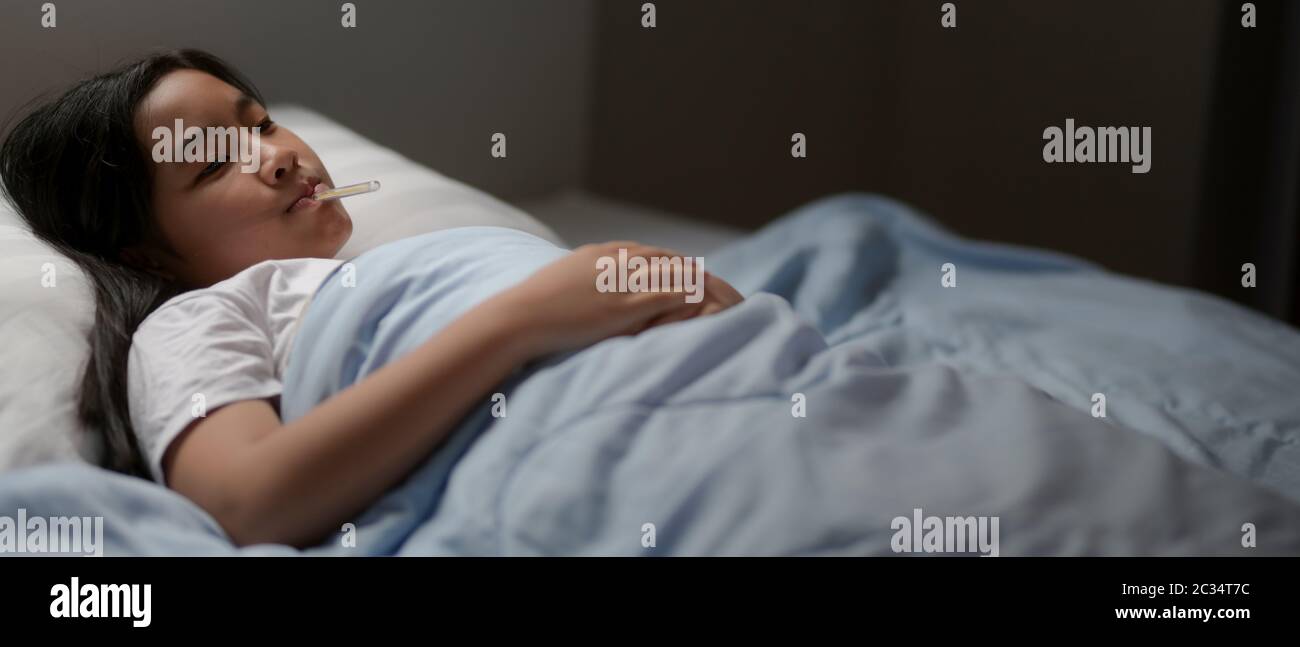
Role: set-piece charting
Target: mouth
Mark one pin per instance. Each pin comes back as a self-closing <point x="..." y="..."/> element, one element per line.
<point x="305" y="190"/>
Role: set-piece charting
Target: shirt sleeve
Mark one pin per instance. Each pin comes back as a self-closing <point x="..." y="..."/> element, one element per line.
<point x="190" y="357"/>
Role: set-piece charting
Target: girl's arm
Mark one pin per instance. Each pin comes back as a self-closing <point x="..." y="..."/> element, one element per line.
<point x="296" y="483"/>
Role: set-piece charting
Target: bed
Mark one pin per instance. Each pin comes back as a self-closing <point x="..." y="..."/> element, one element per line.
<point x="855" y="387"/>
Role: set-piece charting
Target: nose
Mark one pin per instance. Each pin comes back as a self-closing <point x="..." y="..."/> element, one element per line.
<point x="278" y="163"/>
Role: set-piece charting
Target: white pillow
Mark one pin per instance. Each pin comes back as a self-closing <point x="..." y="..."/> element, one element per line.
<point x="42" y="350"/>
<point x="43" y="330"/>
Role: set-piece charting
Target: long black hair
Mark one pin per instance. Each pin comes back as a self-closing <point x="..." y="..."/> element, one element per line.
<point x="76" y="173"/>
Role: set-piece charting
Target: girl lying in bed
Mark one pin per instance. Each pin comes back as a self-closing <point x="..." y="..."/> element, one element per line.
<point x="220" y="264"/>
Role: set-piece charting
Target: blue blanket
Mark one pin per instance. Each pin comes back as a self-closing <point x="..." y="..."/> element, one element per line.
<point x="880" y="370"/>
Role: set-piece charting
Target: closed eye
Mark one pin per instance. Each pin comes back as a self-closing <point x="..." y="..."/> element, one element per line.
<point x="210" y="169"/>
<point x="266" y="125"/>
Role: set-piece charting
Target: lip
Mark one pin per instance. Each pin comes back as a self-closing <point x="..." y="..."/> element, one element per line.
<point x="308" y="188"/>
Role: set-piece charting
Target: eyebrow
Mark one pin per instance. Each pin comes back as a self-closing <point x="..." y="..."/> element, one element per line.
<point x="244" y="102"/>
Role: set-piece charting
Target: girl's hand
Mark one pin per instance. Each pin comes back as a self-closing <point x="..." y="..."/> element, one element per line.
<point x="564" y="309"/>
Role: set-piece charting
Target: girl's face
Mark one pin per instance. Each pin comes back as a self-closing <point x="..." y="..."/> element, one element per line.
<point x="217" y="219"/>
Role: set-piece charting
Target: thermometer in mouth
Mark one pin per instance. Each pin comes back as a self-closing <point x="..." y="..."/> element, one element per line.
<point x="346" y="191"/>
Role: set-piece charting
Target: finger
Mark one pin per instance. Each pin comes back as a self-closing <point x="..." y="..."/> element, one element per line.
<point x="733" y="295"/>
<point x="650" y="305"/>
<point x="675" y="315"/>
<point x="719" y="291"/>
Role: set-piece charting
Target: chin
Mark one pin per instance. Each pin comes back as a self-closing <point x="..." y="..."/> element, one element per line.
<point x="340" y="235"/>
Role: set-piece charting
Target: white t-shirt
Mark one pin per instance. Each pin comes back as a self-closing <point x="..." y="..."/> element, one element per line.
<point x="228" y="342"/>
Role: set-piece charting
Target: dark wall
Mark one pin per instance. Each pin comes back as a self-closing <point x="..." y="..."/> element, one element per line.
<point x="696" y="115"/>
